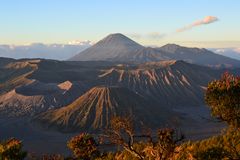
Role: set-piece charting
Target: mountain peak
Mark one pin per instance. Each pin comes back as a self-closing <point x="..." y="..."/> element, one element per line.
<point x="119" y="40"/>
<point x="111" y="47"/>
<point x="117" y="35"/>
<point x="171" y="47"/>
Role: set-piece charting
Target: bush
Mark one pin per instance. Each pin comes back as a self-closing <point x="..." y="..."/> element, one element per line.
<point x="225" y="146"/>
<point x="223" y="97"/>
<point x="83" y="146"/>
<point x="12" y="150"/>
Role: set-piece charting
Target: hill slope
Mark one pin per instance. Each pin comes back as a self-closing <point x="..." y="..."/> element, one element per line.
<point x="170" y="83"/>
<point x="36" y="97"/>
<point x="94" y="109"/>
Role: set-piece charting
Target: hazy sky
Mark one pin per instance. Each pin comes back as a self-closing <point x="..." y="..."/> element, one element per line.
<point x="150" y="22"/>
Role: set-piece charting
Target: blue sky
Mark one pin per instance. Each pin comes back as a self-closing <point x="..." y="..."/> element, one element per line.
<point x="150" y="22"/>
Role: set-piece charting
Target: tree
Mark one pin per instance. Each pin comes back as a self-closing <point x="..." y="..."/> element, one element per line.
<point x="223" y="97"/>
<point x="83" y="146"/>
<point x="166" y="145"/>
<point x="121" y="132"/>
<point x="12" y="149"/>
<point x="142" y="145"/>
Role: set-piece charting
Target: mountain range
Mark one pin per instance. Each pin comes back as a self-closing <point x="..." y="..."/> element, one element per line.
<point x="119" y="48"/>
<point x="55" y="94"/>
<point x="114" y="77"/>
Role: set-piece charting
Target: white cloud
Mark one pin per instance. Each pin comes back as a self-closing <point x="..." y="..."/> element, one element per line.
<point x="78" y="42"/>
<point x="155" y="35"/>
<point x="151" y="35"/>
<point x="237" y="50"/>
<point x="229" y="52"/>
<point x="221" y="50"/>
<point x="135" y="35"/>
<point x="205" y="21"/>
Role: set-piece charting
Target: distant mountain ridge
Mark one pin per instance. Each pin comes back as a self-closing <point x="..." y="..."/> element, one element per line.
<point x="200" y="56"/>
<point x="119" y="48"/>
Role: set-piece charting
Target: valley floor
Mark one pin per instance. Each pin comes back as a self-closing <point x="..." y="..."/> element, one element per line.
<point x="195" y="123"/>
<point x="35" y="140"/>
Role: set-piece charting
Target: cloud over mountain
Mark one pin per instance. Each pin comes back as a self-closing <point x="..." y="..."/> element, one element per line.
<point x="151" y="35"/>
<point x="229" y="52"/>
<point x="78" y="42"/>
<point x="155" y="35"/>
<point x="206" y="20"/>
<point x="237" y="50"/>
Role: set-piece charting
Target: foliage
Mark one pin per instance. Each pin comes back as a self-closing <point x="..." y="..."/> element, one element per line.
<point x="225" y="146"/>
<point x="107" y="156"/>
<point x="12" y="150"/>
<point x="83" y="146"/>
<point x="223" y="97"/>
